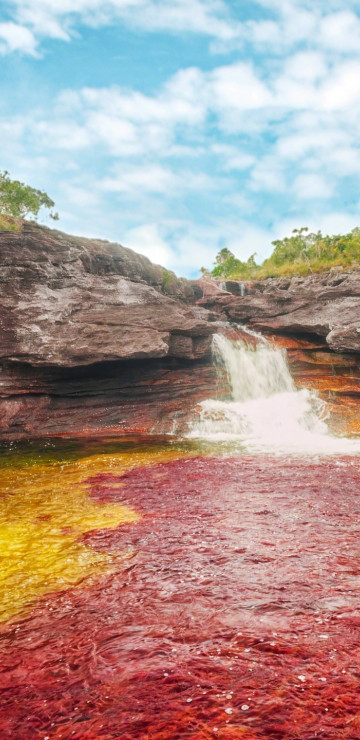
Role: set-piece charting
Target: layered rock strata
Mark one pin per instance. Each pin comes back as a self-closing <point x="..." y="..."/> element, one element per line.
<point x="67" y="301"/>
<point x="324" y="305"/>
<point x="335" y="375"/>
<point x="94" y="339"/>
<point x="106" y="399"/>
<point x="316" y="319"/>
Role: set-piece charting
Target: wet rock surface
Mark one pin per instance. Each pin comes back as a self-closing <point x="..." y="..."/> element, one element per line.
<point x="334" y="375"/>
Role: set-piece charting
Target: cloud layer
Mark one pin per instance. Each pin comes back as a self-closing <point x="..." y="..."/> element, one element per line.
<point x="225" y="153"/>
<point x="286" y="22"/>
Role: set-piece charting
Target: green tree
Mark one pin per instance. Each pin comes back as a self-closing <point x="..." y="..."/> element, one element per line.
<point x="300" y="253"/>
<point x="18" y="201"/>
<point x="229" y="266"/>
<point x="222" y="256"/>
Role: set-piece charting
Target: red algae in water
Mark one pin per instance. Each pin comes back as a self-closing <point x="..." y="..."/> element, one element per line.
<point x="236" y="614"/>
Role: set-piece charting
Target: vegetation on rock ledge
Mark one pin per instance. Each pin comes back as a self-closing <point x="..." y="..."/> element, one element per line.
<point x="300" y="254"/>
<point x="18" y="201"/>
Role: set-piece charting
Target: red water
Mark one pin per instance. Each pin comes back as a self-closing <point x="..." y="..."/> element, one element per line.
<point x="237" y="616"/>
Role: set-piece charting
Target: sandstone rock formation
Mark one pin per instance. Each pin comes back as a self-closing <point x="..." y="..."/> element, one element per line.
<point x="325" y="305"/>
<point x="67" y="301"/>
<point x="111" y="399"/>
<point x="96" y="340"/>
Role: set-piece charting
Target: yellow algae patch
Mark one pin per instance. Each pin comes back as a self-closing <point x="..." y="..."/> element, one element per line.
<point x="45" y="508"/>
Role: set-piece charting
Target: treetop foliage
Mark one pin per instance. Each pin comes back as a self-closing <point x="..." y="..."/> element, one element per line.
<point x="18" y="201"/>
<point x="299" y="254"/>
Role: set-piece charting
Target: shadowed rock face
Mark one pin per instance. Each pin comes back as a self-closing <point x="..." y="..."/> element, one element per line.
<point x="107" y="399"/>
<point x="326" y="305"/>
<point x="317" y="320"/>
<point x="67" y="301"/>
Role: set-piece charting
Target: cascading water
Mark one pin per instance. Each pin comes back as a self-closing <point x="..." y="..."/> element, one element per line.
<point x="265" y="412"/>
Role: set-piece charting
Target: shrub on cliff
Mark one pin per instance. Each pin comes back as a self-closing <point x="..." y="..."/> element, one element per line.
<point x="19" y="201"/>
<point x="227" y="265"/>
<point x="299" y="254"/>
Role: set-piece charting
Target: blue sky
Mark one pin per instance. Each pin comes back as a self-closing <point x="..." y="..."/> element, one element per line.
<point x="178" y="127"/>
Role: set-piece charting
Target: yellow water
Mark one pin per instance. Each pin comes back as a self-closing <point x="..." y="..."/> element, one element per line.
<point x="45" y="509"/>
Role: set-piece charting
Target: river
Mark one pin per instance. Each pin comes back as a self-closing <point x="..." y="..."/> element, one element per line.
<point x="200" y="586"/>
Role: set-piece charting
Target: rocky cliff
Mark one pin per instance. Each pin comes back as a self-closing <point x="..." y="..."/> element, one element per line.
<point x="325" y="305"/>
<point x="95" y="339"/>
<point x="67" y="301"/>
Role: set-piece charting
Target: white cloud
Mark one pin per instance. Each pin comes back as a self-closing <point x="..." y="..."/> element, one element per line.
<point x="236" y="88"/>
<point x="310" y="110"/>
<point x="268" y="176"/>
<point x="178" y="245"/>
<point x="154" y="178"/>
<point x="54" y="19"/>
<point x="291" y="23"/>
<point x="64" y="135"/>
<point x="340" y="31"/>
<point x="342" y="88"/>
<point x="337" y="222"/>
<point x="333" y="222"/>
<point x="184" y="247"/>
<point x="344" y="161"/>
<point x="306" y="65"/>
<point x="127" y="122"/>
<point x="281" y="125"/>
<point x="232" y="158"/>
<point x="202" y="16"/>
<point x="15" y="37"/>
<point x="312" y="186"/>
<point x="295" y="146"/>
<point x="81" y="197"/>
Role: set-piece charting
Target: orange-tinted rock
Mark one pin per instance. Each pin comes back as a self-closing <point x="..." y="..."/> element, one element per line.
<point x="76" y="317"/>
<point x="116" y="355"/>
<point x="335" y="376"/>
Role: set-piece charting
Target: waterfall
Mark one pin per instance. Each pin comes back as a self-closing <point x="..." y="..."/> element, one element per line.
<point x="252" y="373"/>
<point x="265" y="411"/>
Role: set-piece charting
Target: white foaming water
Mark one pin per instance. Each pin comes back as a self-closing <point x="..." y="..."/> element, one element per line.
<point x="265" y="412"/>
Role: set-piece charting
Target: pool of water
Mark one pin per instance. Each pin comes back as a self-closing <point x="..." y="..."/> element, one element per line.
<point x="169" y="590"/>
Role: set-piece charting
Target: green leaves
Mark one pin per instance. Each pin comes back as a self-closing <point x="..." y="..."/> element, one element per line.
<point x="228" y="266"/>
<point x="298" y="254"/>
<point x="18" y="201"/>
